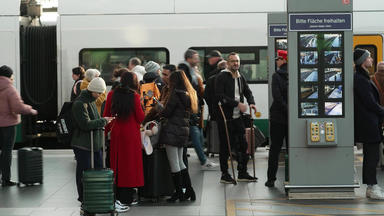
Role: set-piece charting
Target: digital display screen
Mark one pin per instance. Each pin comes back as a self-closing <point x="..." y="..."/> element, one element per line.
<point x="333" y="92"/>
<point x="309" y="109"/>
<point x="333" y="57"/>
<point x="309" y="74"/>
<point x="309" y="58"/>
<point x="308" y="40"/>
<point x="309" y="92"/>
<point x="333" y="108"/>
<point x="333" y="74"/>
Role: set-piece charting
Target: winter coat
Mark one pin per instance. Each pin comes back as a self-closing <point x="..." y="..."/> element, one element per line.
<point x="211" y="99"/>
<point x="368" y="112"/>
<point x="125" y="147"/>
<point x="11" y="104"/>
<point x="100" y="100"/>
<point x="225" y="92"/>
<point x="279" y="108"/>
<point x="86" y="118"/>
<point x="175" y="129"/>
<point x="75" y="91"/>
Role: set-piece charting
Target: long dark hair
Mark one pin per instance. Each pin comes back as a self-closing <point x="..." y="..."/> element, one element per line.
<point x="123" y="96"/>
<point x="79" y="71"/>
<point x="178" y="80"/>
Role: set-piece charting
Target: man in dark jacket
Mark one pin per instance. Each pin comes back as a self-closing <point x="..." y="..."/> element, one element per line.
<point x="213" y="58"/>
<point x="87" y="119"/>
<point x="189" y="66"/>
<point x="278" y="115"/>
<point x="368" y="120"/>
<point x="230" y="89"/>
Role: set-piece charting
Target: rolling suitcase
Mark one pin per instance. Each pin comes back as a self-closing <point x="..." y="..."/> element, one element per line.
<point x="157" y="176"/>
<point x="98" y="188"/>
<point x="30" y="166"/>
<point x="213" y="139"/>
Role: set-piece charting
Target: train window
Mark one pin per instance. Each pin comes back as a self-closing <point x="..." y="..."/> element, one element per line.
<point x="107" y="59"/>
<point x="253" y="61"/>
<point x="373" y="50"/>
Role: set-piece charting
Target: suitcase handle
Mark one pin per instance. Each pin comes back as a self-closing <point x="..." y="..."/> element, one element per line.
<point x="92" y="153"/>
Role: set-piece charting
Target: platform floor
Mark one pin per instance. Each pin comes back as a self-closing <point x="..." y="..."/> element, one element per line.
<point x="57" y="196"/>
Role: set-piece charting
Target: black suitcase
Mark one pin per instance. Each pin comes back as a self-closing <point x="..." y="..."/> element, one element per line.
<point x="213" y="139"/>
<point x="157" y="176"/>
<point x="30" y="166"/>
<point x="98" y="188"/>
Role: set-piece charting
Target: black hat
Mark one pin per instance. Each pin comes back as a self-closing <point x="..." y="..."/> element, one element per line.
<point x="6" y="71"/>
<point x="214" y="53"/>
<point x="360" y="55"/>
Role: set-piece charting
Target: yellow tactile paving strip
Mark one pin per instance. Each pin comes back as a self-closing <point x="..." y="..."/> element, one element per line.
<point x="232" y="208"/>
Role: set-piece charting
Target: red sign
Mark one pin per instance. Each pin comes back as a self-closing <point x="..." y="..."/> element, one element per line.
<point x="346" y="2"/>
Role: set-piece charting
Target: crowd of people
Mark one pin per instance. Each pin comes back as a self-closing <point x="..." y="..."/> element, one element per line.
<point x="180" y="109"/>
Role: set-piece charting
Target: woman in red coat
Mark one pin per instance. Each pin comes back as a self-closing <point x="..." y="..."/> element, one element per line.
<point x="125" y="148"/>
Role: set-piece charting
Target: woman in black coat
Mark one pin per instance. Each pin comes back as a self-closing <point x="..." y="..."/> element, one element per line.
<point x="368" y="121"/>
<point x="175" y="131"/>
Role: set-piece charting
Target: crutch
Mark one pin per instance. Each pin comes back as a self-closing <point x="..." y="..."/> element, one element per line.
<point x="228" y="142"/>
<point x="252" y="140"/>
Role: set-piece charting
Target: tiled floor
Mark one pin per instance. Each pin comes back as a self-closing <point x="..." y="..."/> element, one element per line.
<point x="57" y="196"/>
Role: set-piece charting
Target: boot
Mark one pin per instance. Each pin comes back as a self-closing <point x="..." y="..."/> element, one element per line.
<point x="189" y="193"/>
<point x="178" y="195"/>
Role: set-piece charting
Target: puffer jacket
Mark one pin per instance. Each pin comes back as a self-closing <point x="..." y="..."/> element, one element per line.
<point x="11" y="104"/>
<point x="175" y="129"/>
<point x="87" y="118"/>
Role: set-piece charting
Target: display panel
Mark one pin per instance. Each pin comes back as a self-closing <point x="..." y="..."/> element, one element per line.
<point x="321" y="74"/>
<point x="333" y="92"/>
<point x="333" y="108"/>
<point x="309" y="58"/>
<point x="333" y="57"/>
<point x="309" y="74"/>
<point x="333" y="74"/>
<point x="281" y="44"/>
<point x="309" y="109"/>
<point x="308" y="40"/>
<point x="309" y="92"/>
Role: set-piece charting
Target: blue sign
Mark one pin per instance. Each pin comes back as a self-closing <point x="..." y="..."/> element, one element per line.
<point x="320" y="22"/>
<point x="278" y="30"/>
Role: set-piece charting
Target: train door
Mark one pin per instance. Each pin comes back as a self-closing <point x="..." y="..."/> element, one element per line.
<point x="372" y="43"/>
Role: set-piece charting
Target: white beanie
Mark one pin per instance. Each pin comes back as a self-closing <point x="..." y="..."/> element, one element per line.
<point x="152" y="67"/>
<point x="91" y="73"/>
<point x="139" y="71"/>
<point x="97" y="85"/>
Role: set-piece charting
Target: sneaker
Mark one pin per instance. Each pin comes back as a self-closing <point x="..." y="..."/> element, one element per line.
<point x="7" y="183"/>
<point x="209" y="165"/>
<point x="120" y="208"/>
<point x="270" y="183"/>
<point x="120" y="203"/>
<point x="245" y="177"/>
<point x="227" y="179"/>
<point x="374" y="192"/>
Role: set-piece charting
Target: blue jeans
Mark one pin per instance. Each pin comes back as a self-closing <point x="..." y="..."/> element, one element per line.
<point x="7" y="141"/>
<point x="197" y="138"/>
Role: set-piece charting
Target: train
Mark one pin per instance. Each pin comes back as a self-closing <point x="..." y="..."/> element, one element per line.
<point x="103" y="34"/>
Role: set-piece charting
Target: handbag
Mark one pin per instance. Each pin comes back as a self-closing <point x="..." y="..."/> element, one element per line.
<point x="148" y="130"/>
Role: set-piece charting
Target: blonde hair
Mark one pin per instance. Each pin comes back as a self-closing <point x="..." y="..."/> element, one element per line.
<point x="179" y="80"/>
<point x="192" y="93"/>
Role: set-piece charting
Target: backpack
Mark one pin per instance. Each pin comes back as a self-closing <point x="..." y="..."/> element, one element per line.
<point x="148" y="91"/>
<point x="65" y="124"/>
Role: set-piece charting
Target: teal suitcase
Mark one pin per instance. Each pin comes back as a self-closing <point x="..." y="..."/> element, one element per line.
<point x="98" y="188"/>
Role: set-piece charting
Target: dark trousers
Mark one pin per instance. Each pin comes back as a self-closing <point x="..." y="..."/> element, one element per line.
<point x="278" y="133"/>
<point x="371" y="158"/>
<point x="125" y="194"/>
<point x="7" y="141"/>
<point x="83" y="158"/>
<point x="238" y="145"/>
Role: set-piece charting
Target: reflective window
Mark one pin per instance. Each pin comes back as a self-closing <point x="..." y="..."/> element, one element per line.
<point x="253" y="63"/>
<point x="108" y="59"/>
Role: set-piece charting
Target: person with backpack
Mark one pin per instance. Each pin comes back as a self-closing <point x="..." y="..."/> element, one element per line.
<point x="125" y="149"/>
<point x="77" y="76"/>
<point x="87" y="119"/>
<point x="11" y="106"/>
<point x="278" y="115"/>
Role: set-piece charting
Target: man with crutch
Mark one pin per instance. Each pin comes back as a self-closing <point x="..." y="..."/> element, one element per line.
<point x="230" y="90"/>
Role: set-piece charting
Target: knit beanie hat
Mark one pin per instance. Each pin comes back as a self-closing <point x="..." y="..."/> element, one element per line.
<point x="360" y="55"/>
<point x="152" y="66"/>
<point x="91" y="73"/>
<point x="6" y="71"/>
<point x="97" y="85"/>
